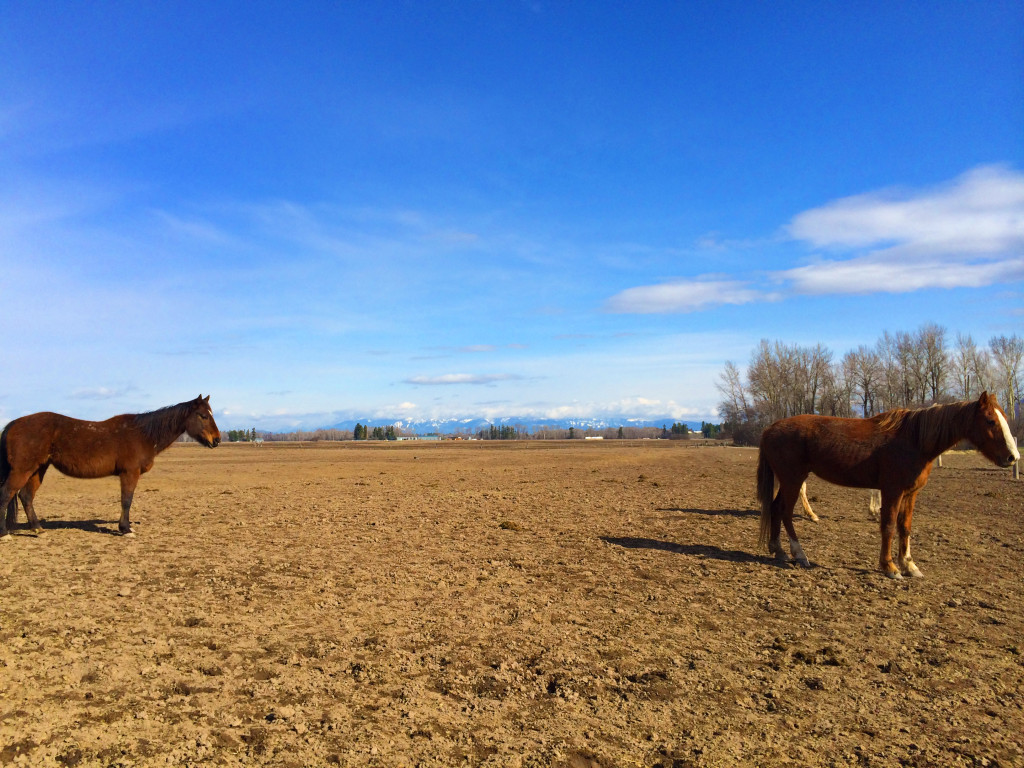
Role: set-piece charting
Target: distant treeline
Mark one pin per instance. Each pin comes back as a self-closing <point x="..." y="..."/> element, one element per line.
<point x="900" y="370"/>
<point x="677" y="431"/>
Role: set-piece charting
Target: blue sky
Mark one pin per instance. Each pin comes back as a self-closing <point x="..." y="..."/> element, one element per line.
<point x="315" y="211"/>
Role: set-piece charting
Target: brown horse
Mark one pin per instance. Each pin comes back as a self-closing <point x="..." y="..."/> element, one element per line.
<point x="893" y="452"/>
<point x="123" y="445"/>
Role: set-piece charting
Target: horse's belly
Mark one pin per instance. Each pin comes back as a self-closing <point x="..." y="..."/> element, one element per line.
<point x="84" y="462"/>
<point x="82" y="472"/>
<point x="852" y="471"/>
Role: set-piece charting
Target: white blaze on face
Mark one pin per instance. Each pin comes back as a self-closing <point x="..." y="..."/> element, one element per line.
<point x="1010" y="442"/>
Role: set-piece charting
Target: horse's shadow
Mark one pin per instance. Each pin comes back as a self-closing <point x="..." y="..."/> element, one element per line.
<point x="705" y="551"/>
<point x="87" y="526"/>
<point x="711" y="512"/>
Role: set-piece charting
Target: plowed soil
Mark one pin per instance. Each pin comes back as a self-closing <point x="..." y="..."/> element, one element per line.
<point x="505" y="604"/>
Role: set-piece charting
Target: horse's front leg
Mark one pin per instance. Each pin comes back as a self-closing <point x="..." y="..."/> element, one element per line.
<point x="887" y="524"/>
<point x="128" y="482"/>
<point x="906" y="516"/>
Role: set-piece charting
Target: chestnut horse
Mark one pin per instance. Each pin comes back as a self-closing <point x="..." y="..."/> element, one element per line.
<point x="892" y="452"/>
<point x="123" y="445"/>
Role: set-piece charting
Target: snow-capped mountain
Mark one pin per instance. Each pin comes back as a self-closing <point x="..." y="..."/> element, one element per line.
<point x="472" y="425"/>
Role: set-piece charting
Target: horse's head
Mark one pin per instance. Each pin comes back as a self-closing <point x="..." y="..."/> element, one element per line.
<point x="200" y="424"/>
<point x="990" y="432"/>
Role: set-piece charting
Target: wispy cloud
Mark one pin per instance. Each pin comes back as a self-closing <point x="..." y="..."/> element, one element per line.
<point x="981" y="211"/>
<point x="462" y="378"/>
<point x="682" y="296"/>
<point x="877" y="274"/>
<point x="967" y="233"/>
<point x="102" y="393"/>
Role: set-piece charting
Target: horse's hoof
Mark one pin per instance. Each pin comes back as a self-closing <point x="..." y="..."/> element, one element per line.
<point x="128" y="534"/>
<point x="894" y="575"/>
<point x="37" y="531"/>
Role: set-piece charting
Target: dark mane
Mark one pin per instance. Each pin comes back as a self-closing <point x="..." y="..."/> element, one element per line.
<point x="933" y="429"/>
<point x="164" y="425"/>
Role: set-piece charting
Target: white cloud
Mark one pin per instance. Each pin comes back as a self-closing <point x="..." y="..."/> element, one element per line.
<point x="682" y="296"/>
<point x="102" y="393"/>
<point x="968" y="233"/>
<point x="876" y="274"/>
<point x="462" y="378"/>
<point x="980" y="212"/>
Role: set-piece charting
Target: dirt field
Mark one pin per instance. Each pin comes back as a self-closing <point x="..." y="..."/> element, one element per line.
<point x="518" y="604"/>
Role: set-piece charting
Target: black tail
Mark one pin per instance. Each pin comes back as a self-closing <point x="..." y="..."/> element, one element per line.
<point x="5" y="463"/>
<point x="5" y="471"/>
<point x="765" y="494"/>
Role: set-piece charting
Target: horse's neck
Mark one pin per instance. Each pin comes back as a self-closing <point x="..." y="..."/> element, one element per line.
<point x="938" y="429"/>
<point x="163" y="428"/>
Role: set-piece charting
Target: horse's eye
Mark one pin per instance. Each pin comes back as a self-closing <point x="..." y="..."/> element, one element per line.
<point x="991" y="422"/>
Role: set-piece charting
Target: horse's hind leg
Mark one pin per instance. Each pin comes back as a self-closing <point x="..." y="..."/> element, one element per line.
<point x="806" y="504"/>
<point x="794" y="545"/>
<point x="782" y="514"/>
<point x="12" y="513"/>
<point x="875" y="503"/>
<point x="8" y="494"/>
<point x="27" y="495"/>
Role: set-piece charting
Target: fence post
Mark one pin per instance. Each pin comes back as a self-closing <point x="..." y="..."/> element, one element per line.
<point x="1015" y="472"/>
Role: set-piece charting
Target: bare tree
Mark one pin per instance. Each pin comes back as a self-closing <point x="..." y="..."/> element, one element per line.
<point x="1008" y="358"/>
<point x="766" y="376"/>
<point x="891" y="373"/>
<point x="863" y="371"/>
<point x="836" y="393"/>
<point x="932" y="342"/>
<point x="968" y="368"/>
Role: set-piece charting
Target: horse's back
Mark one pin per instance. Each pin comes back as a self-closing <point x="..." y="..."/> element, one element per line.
<point x="76" y="447"/>
<point x="838" y="450"/>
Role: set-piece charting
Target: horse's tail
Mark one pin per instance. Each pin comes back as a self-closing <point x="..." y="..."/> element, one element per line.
<point x="5" y="471"/>
<point x="765" y="494"/>
<point x="5" y="463"/>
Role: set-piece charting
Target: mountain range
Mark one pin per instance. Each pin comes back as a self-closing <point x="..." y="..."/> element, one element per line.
<point x="472" y="425"/>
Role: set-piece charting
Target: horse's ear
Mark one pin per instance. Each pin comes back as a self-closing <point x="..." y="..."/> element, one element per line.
<point x="983" y="399"/>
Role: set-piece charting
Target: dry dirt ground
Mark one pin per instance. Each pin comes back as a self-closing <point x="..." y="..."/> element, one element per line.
<point x="517" y="604"/>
